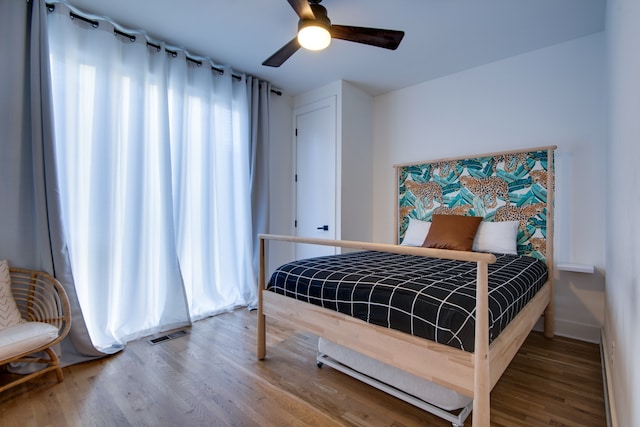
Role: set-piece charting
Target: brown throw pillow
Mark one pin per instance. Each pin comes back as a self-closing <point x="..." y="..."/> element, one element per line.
<point x="452" y="232"/>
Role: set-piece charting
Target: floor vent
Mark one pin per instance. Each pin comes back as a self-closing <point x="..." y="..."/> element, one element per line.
<point x="167" y="337"/>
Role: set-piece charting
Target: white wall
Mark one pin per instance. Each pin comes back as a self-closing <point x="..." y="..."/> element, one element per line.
<point x="621" y="336"/>
<point x="280" y="177"/>
<point x="357" y="154"/>
<point x="553" y="96"/>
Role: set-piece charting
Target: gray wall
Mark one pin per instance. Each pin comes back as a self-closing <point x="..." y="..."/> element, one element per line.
<point x="622" y="321"/>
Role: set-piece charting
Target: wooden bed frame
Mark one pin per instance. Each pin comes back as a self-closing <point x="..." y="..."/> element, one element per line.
<point x="471" y="374"/>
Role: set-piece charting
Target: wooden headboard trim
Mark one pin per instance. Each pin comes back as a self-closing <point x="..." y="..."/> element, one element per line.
<point x="475" y="156"/>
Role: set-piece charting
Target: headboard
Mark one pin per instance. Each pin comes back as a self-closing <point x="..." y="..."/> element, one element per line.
<point x="503" y="186"/>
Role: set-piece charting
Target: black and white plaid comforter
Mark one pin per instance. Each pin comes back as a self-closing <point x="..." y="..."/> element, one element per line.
<point x="427" y="297"/>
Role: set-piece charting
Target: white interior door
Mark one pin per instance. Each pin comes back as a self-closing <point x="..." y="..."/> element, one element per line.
<point x="316" y="176"/>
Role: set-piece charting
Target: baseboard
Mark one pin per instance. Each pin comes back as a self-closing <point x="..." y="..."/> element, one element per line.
<point x="609" y="404"/>
<point x="575" y="330"/>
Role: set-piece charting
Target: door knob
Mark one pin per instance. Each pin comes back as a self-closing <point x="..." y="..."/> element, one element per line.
<point x="324" y="227"/>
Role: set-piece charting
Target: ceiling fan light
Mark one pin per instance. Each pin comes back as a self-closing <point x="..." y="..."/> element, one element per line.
<point x="314" y="37"/>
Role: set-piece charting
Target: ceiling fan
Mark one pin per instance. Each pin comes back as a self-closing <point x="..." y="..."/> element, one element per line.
<point x="315" y="32"/>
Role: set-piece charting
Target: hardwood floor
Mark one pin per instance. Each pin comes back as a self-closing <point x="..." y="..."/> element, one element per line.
<point x="211" y="377"/>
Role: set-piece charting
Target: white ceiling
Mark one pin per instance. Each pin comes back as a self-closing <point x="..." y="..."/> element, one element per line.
<point x="441" y="36"/>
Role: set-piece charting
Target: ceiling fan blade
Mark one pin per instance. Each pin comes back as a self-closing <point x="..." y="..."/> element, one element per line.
<point x="278" y="58"/>
<point x="302" y="8"/>
<point x="388" y="39"/>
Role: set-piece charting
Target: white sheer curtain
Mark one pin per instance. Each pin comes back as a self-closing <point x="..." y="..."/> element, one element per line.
<point x="153" y="158"/>
<point x="209" y="121"/>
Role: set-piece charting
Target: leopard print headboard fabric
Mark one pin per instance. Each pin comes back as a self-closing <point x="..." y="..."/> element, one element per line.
<point x="503" y="186"/>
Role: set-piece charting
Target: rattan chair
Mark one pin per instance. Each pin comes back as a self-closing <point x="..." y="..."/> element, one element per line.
<point x="40" y="298"/>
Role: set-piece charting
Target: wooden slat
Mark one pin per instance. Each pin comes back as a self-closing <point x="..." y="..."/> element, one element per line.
<point x="549" y="316"/>
<point x="384" y="247"/>
<point x="481" y="375"/>
<point x="261" y="332"/>
<point x="396" y="211"/>
<point x="474" y="156"/>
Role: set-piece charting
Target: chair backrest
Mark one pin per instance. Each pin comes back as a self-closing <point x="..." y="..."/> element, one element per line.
<point x="41" y="298"/>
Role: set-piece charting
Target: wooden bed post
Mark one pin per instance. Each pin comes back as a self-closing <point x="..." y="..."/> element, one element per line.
<point x="482" y="377"/>
<point x="549" y="311"/>
<point x="262" y="332"/>
<point x="396" y="211"/>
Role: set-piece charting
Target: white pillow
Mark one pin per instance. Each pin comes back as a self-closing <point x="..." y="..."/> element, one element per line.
<point x="9" y="313"/>
<point x="497" y="237"/>
<point x="416" y="232"/>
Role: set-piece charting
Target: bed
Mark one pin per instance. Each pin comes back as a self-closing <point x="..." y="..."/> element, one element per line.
<point x="467" y="357"/>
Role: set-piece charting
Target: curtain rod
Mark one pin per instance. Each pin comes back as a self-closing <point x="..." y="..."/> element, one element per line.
<point x="132" y="37"/>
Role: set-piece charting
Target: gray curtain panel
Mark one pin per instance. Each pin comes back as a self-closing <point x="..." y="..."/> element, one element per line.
<point x="30" y="229"/>
<point x="259" y="104"/>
